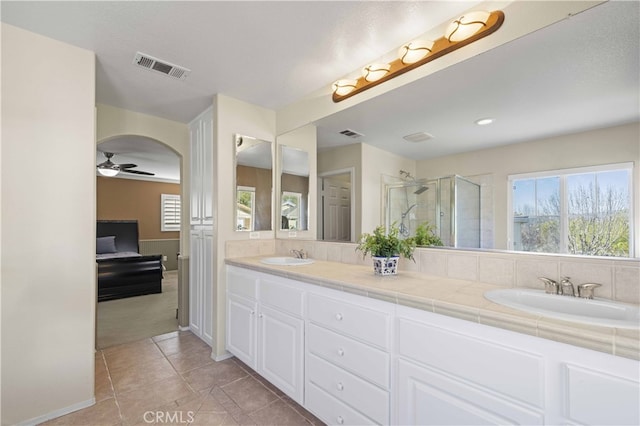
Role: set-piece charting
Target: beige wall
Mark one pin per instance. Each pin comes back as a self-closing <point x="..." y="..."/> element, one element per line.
<point x="125" y="199"/>
<point x="231" y="116"/>
<point x="113" y="122"/>
<point x="262" y="181"/>
<point x="48" y="227"/>
<point x="602" y="146"/>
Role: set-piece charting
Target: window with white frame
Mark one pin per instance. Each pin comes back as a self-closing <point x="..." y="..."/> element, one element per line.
<point x="584" y="211"/>
<point x="170" y="212"/>
<point x="245" y="208"/>
<point x="291" y="202"/>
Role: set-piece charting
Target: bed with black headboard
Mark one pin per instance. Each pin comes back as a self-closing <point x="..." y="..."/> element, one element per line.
<point x="122" y="270"/>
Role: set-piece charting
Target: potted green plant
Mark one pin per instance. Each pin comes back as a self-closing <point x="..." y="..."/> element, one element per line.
<point x="425" y="236"/>
<point x="386" y="248"/>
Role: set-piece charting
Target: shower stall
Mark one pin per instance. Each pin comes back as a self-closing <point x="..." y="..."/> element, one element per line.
<point x="451" y="204"/>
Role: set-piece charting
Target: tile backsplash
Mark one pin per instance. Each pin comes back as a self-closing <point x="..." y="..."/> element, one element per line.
<point x="620" y="278"/>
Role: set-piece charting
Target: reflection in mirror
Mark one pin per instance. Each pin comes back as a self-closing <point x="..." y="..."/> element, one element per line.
<point x="449" y="205"/>
<point x="294" y="189"/>
<point x="254" y="184"/>
<point x="558" y="123"/>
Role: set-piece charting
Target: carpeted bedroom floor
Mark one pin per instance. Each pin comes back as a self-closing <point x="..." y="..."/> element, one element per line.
<point x="134" y="318"/>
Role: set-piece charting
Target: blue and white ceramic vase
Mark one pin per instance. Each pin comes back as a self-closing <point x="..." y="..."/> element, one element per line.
<point x="385" y="265"/>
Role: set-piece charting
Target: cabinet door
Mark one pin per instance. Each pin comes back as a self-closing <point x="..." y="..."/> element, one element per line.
<point x="426" y="397"/>
<point x="195" y="279"/>
<point x="281" y="351"/>
<point x="195" y="172"/>
<point x="207" y="169"/>
<point x="241" y="329"/>
<point x="206" y="304"/>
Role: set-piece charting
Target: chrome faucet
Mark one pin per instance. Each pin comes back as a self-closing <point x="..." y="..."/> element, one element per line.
<point x="566" y="287"/>
<point x="299" y="254"/>
<point x="550" y="286"/>
<point x="586" y="290"/>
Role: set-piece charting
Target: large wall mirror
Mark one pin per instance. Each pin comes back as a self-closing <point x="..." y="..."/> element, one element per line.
<point x="565" y="104"/>
<point x="294" y="189"/>
<point x="254" y="184"/>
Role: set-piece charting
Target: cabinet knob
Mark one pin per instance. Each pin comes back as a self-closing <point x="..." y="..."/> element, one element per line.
<point x="340" y="420"/>
<point x="339" y="316"/>
<point x="253" y="312"/>
<point x="340" y="352"/>
<point x="260" y="316"/>
<point x="340" y="386"/>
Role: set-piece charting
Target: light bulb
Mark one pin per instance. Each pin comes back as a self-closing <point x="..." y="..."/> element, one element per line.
<point x="374" y="72"/>
<point x="415" y="50"/>
<point x="466" y="26"/>
<point x="344" y="87"/>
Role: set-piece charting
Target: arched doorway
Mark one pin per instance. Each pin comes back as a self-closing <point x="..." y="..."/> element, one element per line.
<point x="150" y="193"/>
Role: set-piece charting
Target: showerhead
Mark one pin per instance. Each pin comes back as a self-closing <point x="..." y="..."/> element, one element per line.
<point x="420" y="190"/>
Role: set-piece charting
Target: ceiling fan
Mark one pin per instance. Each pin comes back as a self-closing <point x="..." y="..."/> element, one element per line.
<point x="110" y="169"/>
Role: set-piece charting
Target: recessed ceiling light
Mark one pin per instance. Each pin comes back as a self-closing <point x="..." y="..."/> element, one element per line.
<point x="484" y="121"/>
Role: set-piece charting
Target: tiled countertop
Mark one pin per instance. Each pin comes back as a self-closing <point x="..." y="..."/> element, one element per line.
<point x="456" y="298"/>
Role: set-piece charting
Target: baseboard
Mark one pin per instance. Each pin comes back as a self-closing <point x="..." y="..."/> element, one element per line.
<point x="181" y="328"/>
<point x="225" y="355"/>
<point x="58" y="413"/>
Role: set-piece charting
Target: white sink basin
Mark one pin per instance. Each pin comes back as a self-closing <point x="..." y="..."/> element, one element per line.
<point x="286" y="261"/>
<point x="600" y="312"/>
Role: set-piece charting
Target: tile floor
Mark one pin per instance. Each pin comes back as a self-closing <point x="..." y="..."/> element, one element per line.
<point x="171" y="379"/>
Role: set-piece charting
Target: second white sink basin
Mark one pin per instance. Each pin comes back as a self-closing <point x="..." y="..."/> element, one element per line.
<point x="286" y="261"/>
<point x="600" y="312"/>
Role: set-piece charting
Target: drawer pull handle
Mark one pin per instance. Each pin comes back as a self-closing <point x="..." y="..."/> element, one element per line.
<point x="340" y="386"/>
<point x="339" y="316"/>
<point x="340" y="352"/>
<point x="340" y="420"/>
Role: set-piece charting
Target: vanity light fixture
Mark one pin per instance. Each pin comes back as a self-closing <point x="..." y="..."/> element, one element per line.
<point x="464" y="30"/>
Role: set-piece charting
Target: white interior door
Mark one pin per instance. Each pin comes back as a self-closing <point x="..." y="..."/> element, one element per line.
<point x="336" y="209"/>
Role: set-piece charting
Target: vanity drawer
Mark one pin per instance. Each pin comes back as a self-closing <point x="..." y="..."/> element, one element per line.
<point x="365" y="324"/>
<point x="242" y="283"/>
<point x="361" y="359"/>
<point x="331" y="410"/>
<point x="280" y="296"/>
<point x="497" y="365"/>
<point x="349" y="388"/>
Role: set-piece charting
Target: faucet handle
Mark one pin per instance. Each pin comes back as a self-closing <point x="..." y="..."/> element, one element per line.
<point x="586" y="290"/>
<point x="550" y="286"/>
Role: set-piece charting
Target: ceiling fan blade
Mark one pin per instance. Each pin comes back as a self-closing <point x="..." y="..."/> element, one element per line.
<point x="127" y="165"/>
<point x="137" y="172"/>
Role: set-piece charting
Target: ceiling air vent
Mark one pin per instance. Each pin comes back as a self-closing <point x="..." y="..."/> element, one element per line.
<point x="351" y="133"/>
<point x="154" y="64"/>
<point x="418" y="137"/>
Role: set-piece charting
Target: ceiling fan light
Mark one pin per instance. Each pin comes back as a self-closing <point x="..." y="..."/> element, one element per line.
<point x="466" y="26"/>
<point x="344" y="87"/>
<point x="109" y="171"/>
<point x="374" y="72"/>
<point x="415" y="50"/>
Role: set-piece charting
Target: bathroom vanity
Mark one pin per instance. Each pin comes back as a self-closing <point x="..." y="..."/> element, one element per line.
<point x="354" y="348"/>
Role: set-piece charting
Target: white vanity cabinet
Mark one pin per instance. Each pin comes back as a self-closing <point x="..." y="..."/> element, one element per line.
<point x="367" y="361"/>
<point x="347" y="357"/>
<point x="455" y="372"/>
<point x="265" y="327"/>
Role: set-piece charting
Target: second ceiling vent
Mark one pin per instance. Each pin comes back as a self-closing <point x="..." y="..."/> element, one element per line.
<point x="154" y="64"/>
